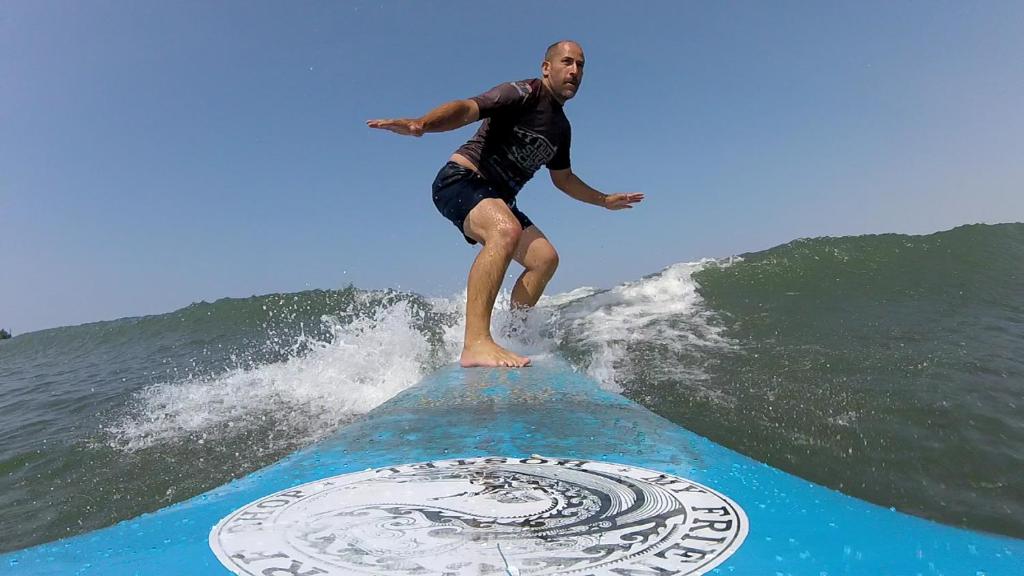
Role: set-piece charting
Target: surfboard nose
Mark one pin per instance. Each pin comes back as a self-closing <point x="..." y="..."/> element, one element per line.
<point x="490" y="471"/>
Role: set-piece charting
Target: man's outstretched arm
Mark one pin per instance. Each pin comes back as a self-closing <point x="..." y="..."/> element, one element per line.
<point x="571" y="184"/>
<point x="448" y="116"/>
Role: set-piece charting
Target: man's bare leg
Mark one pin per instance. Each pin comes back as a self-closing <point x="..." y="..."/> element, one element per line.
<point x="540" y="260"/>
<point x="492" y="224"/>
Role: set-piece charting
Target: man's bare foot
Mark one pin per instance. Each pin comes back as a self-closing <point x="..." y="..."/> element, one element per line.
<point x="487" y="353"/>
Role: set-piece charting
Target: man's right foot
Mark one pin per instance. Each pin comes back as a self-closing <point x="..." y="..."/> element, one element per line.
<point x="490" y="354"/>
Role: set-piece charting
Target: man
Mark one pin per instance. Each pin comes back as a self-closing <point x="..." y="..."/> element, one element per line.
<point x="524" y="128"/>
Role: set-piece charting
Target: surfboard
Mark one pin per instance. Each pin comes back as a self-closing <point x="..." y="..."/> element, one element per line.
<point x="531" y="471"/>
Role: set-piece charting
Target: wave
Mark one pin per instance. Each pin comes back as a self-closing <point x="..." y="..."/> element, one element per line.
<point x="878" y="365"/>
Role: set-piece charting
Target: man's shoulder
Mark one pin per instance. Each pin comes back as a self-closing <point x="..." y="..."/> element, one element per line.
<point x="528" y="88"/>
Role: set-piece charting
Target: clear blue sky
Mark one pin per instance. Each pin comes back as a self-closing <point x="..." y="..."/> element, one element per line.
<point x="153" y="154"/>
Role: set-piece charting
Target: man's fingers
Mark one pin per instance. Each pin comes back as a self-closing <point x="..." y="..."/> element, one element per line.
<point x="400" y="126"/>
<point x="624" y="201"/>
<point x="387" y="124"/>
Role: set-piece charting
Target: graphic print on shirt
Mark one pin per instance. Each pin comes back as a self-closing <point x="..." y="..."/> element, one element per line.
<point x="529" y="151"/>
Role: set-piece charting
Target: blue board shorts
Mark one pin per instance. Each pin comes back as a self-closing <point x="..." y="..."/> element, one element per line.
<point x="457" y="190"/>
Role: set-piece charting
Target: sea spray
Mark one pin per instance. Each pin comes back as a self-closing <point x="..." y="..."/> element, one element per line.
<point x="306" y="396"/>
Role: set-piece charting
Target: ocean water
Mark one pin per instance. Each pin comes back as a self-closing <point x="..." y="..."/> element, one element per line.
<point x="889" y="367"/>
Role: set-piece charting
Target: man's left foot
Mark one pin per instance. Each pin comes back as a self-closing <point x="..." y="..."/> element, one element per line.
<point x="487" y="353"/>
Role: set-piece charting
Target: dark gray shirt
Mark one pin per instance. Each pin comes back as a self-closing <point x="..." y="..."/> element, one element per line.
<point x="523" y="129"/>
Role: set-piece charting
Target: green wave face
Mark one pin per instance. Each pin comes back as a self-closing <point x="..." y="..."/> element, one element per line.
<point x="890" y="367"/>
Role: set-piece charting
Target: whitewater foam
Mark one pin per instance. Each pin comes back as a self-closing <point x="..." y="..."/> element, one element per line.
<point x="664" y="310"/>
<point x="369" y="358"/>
<point x="366" y="362"/>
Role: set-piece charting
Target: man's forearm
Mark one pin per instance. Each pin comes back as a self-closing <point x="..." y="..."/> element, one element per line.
<point x="450" y="116"/>
<point x="579" y="190"/>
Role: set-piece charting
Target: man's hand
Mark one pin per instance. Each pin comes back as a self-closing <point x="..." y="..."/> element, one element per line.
<point x="403" y="126"/>
<point x="621" y="201"/>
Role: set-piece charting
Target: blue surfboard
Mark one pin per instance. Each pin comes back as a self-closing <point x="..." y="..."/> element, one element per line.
<point x="530" y="471"/>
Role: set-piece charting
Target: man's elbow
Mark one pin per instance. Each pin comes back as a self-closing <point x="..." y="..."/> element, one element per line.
<point x="471" y="110"/>
<point x="561" y="178"/>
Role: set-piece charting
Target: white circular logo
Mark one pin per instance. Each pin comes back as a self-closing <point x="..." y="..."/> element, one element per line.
<point x="494" y="515"/>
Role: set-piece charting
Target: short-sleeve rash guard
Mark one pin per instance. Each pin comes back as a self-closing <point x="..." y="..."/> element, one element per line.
<point x="523" y="129"/>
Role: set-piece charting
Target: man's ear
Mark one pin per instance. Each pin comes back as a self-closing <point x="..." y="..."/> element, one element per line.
<point x="545" y="68"/>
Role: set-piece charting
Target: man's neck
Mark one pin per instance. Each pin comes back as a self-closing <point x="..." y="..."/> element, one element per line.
<point x="551" y="92"/>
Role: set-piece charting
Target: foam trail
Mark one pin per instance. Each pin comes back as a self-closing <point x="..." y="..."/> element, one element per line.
<point x="663" y="310"/>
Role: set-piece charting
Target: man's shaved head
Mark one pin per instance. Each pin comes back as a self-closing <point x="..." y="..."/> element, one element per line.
<point x="552" y="50"/>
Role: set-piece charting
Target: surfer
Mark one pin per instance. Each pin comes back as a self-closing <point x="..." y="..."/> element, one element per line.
<point x="523" y="129"/>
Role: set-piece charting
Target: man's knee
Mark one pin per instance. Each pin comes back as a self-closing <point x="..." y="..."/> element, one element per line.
<point x="552" y="261"/>
<point x="546" y="261"/>
<point x="491" y="223"/>
<point x="505" y="235"/>
<point x="549" y="261"/>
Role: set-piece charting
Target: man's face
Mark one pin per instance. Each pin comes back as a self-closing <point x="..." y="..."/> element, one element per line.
<point x="564" y="71"/>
